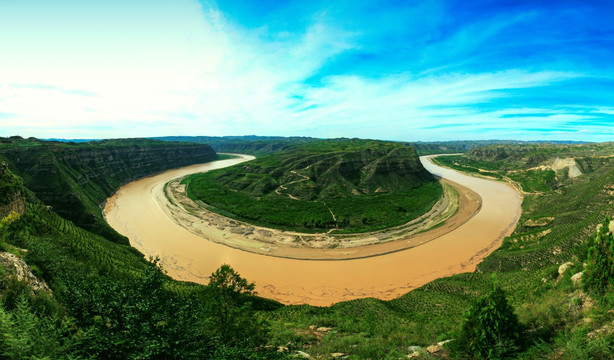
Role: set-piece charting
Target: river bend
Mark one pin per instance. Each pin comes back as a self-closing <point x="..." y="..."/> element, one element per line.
<point x="136" y="211"/>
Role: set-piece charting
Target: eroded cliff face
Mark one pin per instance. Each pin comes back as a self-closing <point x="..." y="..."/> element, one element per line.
<point x="311" y="174"/>
<point x="371" y="171"/>
<point x="75" y="179"/>
<point x="12" y="193"/>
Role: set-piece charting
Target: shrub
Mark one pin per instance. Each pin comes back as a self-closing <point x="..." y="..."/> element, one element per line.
<point x="599" y="273"/>
<point x="491" y="329"/>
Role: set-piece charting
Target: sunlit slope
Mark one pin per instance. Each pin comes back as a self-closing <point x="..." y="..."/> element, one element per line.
<point x="355" y="185"/>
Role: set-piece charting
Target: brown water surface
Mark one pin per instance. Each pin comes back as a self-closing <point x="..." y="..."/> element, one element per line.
<point x="135" y="211"/>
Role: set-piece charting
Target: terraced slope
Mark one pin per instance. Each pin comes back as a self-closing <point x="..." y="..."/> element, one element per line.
<point x="561" y="320"/>
<point x="353" y="185"/>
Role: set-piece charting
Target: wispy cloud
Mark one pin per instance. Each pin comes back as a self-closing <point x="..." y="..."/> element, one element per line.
<point x="402" y="72"/>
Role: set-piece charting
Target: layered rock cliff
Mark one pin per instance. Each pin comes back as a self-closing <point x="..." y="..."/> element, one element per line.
<point x="12" y="193"/>
<point x="75" y="179"/>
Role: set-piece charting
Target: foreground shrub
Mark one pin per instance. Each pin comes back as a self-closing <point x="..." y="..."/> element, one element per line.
<point x="599" y="273"/>
<point x="491" y="329"/>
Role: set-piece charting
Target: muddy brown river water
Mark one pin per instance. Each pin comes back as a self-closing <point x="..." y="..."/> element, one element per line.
<point x="136" y="211"/>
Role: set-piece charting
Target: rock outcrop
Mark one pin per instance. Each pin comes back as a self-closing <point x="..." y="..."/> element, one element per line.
<point x="564" y="267"/>
<point x="15" y="266"/>
<point x="12" y="194"/>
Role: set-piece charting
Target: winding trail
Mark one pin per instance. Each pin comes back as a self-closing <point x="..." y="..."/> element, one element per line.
<point x="283" y="187"/>
<point x="136" y="212"/>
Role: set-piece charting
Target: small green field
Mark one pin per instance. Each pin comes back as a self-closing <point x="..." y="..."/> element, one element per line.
<point x="350" y="185"/>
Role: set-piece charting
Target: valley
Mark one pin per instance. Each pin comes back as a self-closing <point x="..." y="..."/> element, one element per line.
<point x="140" y="210"/>
<point x="386" y="305"/>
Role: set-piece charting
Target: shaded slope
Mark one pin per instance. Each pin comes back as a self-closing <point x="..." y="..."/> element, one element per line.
<point x="12" y="192"/>
<point x="76" y="178"/>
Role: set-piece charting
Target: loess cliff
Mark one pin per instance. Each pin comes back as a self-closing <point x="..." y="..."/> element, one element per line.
<point x="75" y="179"/>
<point x="12" y="193"/>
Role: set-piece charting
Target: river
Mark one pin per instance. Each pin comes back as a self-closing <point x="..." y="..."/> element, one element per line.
<point x="136" y="211"/>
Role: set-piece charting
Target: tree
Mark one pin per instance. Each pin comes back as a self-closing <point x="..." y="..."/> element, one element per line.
<point x="599" y="273"/>
<point x="491" y="329"/>
<point x="135" y="317"/>
<point x="229" y="305"/>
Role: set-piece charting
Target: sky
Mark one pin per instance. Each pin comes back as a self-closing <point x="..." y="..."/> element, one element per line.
<point x="392" y="70"/>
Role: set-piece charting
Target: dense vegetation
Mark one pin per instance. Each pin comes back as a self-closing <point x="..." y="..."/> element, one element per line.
<point x="599" y="274"/>
<point x="75" y="178"/>
<point x="559" y="319"/>
<point x="108" y="301"/>
<point x="353" y="185"/>
<point x="491" y="329"/>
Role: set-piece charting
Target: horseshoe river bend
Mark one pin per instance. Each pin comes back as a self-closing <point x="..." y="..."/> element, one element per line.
<point x="142" y="211"/>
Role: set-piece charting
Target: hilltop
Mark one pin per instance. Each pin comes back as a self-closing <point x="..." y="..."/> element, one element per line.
<point x="347" y="184"/>
<point x="265" y="145"/>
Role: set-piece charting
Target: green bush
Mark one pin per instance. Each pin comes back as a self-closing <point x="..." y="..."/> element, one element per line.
<point x="599" y="274"/>
<point x="28" y="334"/>
<point x="229" y="306"/>
<point x="491" y="329"/>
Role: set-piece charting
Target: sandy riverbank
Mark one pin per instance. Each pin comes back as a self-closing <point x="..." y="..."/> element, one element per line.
<point x="136" y="212"/>
<point x="455" y="208"/>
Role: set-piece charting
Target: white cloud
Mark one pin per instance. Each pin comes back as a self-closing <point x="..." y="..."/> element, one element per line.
<point x="172" y="63"/>
<point x="179" y="68"/>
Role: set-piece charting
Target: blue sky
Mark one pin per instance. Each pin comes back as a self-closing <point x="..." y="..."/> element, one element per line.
<point x="396" y="70"/>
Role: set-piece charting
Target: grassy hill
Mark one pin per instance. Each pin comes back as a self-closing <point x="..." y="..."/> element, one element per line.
<point x="561" y="320"/>
<point x="105" y="300"/>
<point x="349" y="184"/>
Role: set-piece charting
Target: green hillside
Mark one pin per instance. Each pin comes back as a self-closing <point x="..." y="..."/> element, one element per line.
<point x="265" y="145"/>
<point x="560" y="319"/>
<point x="76" y="178"/>
<point x="354" y="185"/>
<point x="107" y="302"/>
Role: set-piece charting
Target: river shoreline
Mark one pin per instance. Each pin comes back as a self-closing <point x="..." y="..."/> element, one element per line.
<point x="134" y="212"/>
<point x="449" y="213"/>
